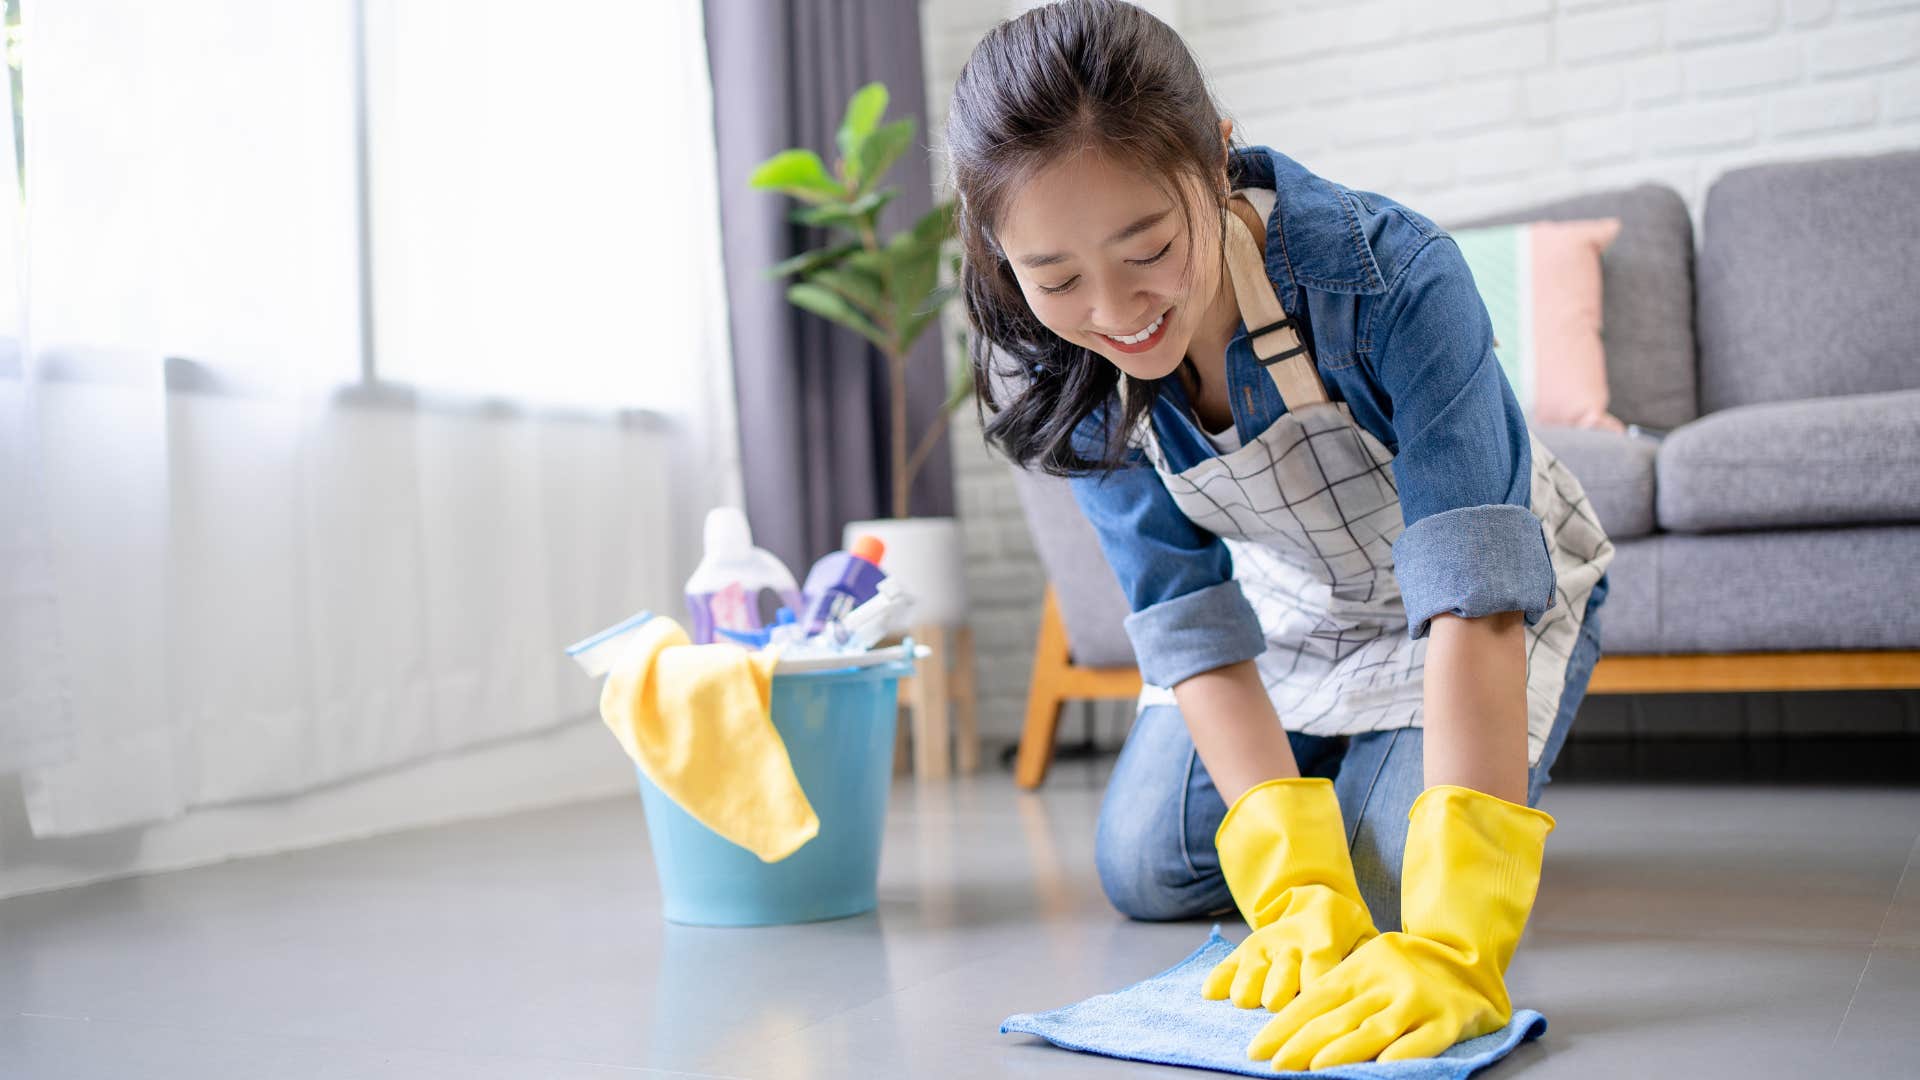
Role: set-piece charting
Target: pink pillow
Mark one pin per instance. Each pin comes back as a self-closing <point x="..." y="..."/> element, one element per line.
<point x="1541" y="284"/>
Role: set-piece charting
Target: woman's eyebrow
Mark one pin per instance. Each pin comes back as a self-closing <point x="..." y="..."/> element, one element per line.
<point x="1132" y="230"/>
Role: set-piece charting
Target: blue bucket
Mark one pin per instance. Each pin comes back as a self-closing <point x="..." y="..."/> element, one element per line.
<point x="838" y="727"/>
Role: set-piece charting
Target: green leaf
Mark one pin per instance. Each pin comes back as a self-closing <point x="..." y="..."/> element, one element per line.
<point x="935" y="225"/>
<point x="938" y="298"/>
<point x="799" y="173"/>
<point x="866" y="291"/>
<point x="871" y="262"/>
<point x="916" y="273"/>
<point x="928" y="312"/>
<point x="880" y="150"/>
<point x="825" y="216"/>
<point x="834" y="308"/>
<point x="872" y="201"/>
<point x="864" y="110"/>
<point x="808" y="261"/>
<point x="962" y="386"/>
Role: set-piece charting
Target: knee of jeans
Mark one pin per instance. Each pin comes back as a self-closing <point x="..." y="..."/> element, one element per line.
<point x="1142" y="867"/>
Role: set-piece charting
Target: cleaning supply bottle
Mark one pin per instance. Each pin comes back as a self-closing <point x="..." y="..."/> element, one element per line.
<point x="724" y="591"/>
<point x="842" y="581"/>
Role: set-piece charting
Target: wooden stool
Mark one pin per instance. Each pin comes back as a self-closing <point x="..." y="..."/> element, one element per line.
<point x="942" y="701"/>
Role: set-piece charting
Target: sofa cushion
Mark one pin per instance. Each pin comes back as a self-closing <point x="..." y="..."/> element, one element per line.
<point x="1806" y="281"/>
<point x="1788" y="589"/>
<point x="1829" y="461"/>
<point x="1541" y="286"/>
<point x="1617" y="471"/>
<point x="1630" y="615"/>
<point x="1647" y="306"/>
<point x="1791" y="589"/>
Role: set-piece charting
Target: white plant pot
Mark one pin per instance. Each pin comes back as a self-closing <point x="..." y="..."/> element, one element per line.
<point x="926" y="556"/>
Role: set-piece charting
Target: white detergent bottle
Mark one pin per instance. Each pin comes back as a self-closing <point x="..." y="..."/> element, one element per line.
<point x="724" y="591"/>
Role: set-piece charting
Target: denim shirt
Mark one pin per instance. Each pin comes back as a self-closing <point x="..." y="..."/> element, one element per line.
<point x="1398" y="331"/>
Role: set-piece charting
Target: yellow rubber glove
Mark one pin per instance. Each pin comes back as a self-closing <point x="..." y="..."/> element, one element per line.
<point x="697" y="720"/>
<point x="1284" y="853"/>
<point x="1470" y="872"/>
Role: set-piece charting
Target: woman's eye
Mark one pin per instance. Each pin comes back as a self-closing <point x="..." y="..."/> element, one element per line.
<point x="1155" y="259"/>
<point x="1053" y="290"/>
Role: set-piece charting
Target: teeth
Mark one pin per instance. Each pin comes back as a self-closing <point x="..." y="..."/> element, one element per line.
<point x="1135" y="339"/>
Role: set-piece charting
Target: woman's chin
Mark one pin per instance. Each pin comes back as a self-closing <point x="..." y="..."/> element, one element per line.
<point x="1158" y="364"/>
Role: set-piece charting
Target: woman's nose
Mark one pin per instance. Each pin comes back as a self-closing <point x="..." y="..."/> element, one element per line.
<point x="1120" y="311"/>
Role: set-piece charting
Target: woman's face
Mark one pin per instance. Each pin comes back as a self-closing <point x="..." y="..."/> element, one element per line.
<point x="1101" y="254"/>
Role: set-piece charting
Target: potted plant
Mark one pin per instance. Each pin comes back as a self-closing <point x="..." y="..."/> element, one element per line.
<point x="887" y="290"/>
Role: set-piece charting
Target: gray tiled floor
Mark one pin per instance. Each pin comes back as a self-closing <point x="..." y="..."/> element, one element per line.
<point x="1704" y="930"/>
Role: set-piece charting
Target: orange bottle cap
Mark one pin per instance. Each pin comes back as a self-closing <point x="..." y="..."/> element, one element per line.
<point x="869" y="548"/>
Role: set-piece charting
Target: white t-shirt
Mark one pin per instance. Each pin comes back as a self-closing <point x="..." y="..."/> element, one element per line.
<point x="1226" y="442"/>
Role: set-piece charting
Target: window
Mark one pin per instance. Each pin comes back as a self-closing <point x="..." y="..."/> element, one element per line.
<point x="541" y="206"/>
<point x="193" y="183"/>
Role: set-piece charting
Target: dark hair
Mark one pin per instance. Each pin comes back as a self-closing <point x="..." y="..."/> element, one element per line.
<point x="1078" y="76"/>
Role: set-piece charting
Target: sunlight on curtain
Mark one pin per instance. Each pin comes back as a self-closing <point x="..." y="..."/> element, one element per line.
<point x="537" y="202"/>
<point x="192" y="173"/>
<point x="258" y="578"/>
<point x="35" y="720"/>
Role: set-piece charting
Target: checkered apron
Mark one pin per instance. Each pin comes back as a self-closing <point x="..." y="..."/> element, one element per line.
<point x="1309" y="511"/>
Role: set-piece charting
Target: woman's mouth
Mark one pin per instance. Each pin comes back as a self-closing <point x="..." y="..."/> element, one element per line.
<point x="1145" y="339"/>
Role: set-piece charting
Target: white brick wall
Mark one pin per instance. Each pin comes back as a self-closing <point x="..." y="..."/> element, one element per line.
<point x="1460" y="108"/>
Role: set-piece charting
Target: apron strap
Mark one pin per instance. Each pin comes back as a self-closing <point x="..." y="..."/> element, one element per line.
<point x="1274" y="336"/>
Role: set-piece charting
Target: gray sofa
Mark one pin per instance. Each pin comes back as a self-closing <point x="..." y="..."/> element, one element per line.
<point x="1767" y="498"/>
<point x="1777" y="506"/>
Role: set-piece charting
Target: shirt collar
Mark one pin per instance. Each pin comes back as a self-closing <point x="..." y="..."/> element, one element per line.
<point x="1314" y="237"/>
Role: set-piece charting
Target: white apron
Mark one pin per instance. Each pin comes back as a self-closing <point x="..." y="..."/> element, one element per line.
<point x="1309" y="511"/>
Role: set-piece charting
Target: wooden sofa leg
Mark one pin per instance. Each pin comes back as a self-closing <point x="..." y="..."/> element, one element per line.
<point x="1045" y="696"/>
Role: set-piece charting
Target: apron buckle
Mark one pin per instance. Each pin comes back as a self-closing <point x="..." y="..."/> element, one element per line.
<point x="1286" y="324"/>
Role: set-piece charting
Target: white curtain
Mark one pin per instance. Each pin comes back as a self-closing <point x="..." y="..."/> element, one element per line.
<point x="235" y="569"/>
<point x="35" y="724"/>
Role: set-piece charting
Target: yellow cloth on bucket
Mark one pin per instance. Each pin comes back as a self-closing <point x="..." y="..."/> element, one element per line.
<point x="697" y="720"/>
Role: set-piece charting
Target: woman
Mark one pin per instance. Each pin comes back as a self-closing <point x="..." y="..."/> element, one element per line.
<point x="1364" y="599"/>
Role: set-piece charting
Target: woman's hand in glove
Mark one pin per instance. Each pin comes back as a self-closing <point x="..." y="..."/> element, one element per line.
<point x="1398" y="996"/>
<point x="1313" y="932"/>
<point x="1471" y="869"/>
<point x="1283" y="851"/>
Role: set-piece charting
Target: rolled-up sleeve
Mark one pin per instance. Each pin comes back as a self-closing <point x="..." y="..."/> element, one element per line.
<point x="1472" y="545"/>
<point x="1188" y="614"/>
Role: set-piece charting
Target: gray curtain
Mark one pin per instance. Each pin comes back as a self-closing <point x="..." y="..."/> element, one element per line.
<point x="813" y="398"/>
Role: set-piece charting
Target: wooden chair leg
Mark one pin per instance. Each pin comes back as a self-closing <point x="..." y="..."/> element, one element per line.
<point x="902" y="763"/>
<point x="932" y="758"/>
<point x="966" y="735"/>
<point x="1044" y="696"/>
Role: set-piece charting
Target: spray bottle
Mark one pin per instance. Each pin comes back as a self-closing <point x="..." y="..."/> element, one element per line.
<point x="841" y="582"/>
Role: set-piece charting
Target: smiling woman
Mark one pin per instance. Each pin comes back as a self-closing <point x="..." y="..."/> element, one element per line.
<point x="1338" y="539"/>
<point x="1137" y="297"/>
<point x="1084" y="220"/>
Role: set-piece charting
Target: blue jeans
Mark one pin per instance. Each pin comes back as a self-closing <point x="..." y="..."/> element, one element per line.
<point x="1154" y="844"/>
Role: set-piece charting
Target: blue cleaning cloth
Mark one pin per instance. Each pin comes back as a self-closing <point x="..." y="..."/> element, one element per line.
<point x="1164" y="1020"/>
